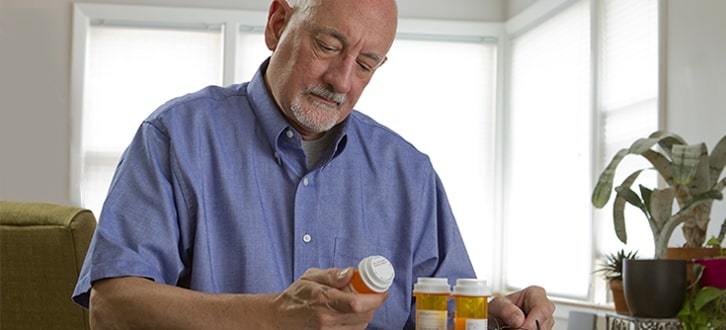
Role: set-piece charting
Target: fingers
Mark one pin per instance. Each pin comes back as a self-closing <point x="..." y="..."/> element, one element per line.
<point x="525" y="309"/>
<point x="342" y="300"/>
<point x="538" y="307"/>
<point x="319" y="299"/>
<point x="332" y="277"/>
<point x="349" y="302"/>
<point x="506" y="312"/>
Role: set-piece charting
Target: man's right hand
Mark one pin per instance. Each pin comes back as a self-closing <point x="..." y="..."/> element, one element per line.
<point x="320" y="300"/>
<point x="317" y="300"/>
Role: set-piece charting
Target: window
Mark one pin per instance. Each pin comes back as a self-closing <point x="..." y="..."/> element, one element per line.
<point x="128" y="60"/>
<point x="582" y="84"/>
<point x="129" y="72"/>
<point x="448" y="114"/>
<point x="547" y="176"/>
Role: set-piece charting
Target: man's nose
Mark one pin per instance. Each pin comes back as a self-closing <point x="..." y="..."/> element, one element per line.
<point x="340" y="74"/>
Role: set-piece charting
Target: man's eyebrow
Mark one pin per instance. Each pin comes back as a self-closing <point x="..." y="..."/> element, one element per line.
<point x="343" y="39"/>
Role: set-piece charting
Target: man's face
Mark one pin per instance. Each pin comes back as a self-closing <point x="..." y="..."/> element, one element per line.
<point x="324" y="56"/>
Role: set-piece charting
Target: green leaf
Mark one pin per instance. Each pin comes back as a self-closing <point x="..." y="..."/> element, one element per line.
<point x="706" y="295"/>
<point x="711" y="194"/>
<point x="667" y="140"/>
<point x="619" y="208"/>
<point x="661" y="205"/>
<point x="632" y="198"/>
<point x="646" y="193"/>
<point x="717" y="161"/>
<point x="686" y="160"/>
<point x="603" y="187"/>
<point x="661" y="164"/>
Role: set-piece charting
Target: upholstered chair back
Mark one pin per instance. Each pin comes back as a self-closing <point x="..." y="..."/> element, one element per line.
<point x="42" y="247"/>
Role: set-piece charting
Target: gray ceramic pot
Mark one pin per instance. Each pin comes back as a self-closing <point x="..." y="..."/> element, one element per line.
<point x="654" y="288"/>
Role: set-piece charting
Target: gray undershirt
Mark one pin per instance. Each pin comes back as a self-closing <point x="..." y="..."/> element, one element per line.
<point x="314" y="149"/>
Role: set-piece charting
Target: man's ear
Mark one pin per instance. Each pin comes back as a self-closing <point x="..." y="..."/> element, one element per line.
<point x="277" y="18"/>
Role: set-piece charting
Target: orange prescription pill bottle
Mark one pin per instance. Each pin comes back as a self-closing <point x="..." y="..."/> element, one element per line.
<point x="471" y="301"/>
<point x="374" y="275"/>
<point x="432" y="303"/>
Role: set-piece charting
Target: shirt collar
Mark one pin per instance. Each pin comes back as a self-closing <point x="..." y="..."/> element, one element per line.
<point x="264" y="107"/>
<point x="270" y="117"/>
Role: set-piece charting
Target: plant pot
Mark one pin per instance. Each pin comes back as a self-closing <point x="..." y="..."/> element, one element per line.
<point x="714" y="272"/>
<point x="689" y="254"/>
<point x="654" y="288"/>
<point x="616" y="287"/>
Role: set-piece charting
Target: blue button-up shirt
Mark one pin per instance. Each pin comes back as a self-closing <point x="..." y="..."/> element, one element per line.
<point x="214" y="194"/>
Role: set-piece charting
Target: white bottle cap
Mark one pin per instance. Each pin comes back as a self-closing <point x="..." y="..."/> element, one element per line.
<point x="377" y="273"/>
<point x="471" y="287"/>
<point x="432" y="285"/>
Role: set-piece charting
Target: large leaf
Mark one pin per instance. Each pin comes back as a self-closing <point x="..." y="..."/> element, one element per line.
<point x="691" y="166"/>
<point x="632" y="197"/>
<point x="705" y="295"/>
<point x="708" y="195"/>
<point x="604" y="185"/>
<point x="619" y="207"/>
<point x="661" y="206"/>
<point x="645" y="193"/>
<point x="666" y="140"/>
<point x="717" y="161"/>
<point x="661" y="164"/>
<point x="685" y="159"/>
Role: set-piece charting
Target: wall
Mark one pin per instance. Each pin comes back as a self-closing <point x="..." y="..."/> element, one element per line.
<point x="696" y="79"/>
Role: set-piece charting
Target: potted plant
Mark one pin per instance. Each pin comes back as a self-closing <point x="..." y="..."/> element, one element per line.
<point x="612" y="271"/>
<point x="691" y="177"/>
<point x="704" y="306"/>
<point x="712" y="270"/>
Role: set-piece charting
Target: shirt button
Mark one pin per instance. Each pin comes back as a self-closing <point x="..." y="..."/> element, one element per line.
<point x="289" y="133"/>
<point x="307" y="238"/>
<point x="305" y="181"/>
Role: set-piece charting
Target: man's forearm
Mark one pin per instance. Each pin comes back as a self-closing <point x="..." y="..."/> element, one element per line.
<point x="137" y="303"/>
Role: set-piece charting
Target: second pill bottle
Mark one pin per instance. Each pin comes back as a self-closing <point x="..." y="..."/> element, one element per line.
<point x="471" y="301"/>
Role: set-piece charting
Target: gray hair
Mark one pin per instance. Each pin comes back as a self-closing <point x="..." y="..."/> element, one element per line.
<point x="301" y="4"/>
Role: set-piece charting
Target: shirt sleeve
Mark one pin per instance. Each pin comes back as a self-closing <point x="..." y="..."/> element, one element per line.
<point x="138" y="232"/>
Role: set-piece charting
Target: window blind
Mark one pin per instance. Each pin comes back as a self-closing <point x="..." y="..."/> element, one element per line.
<point x="546" y="210"/>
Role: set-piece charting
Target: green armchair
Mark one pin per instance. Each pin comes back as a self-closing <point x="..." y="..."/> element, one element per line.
<point x="42" y="247"/>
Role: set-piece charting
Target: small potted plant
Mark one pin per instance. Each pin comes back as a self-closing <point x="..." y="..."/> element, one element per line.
<point x="704" y="306"/>
<point x="612" y="272"/>
<point x="692" y="179"/>
<point x="713" y="269"/>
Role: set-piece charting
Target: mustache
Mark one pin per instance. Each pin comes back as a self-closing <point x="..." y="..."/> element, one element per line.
<point x="326" y="93"/>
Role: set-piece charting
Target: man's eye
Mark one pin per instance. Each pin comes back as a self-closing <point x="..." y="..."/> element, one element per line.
<point x="366" y="67"/>
<point x="326" y="47"/>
